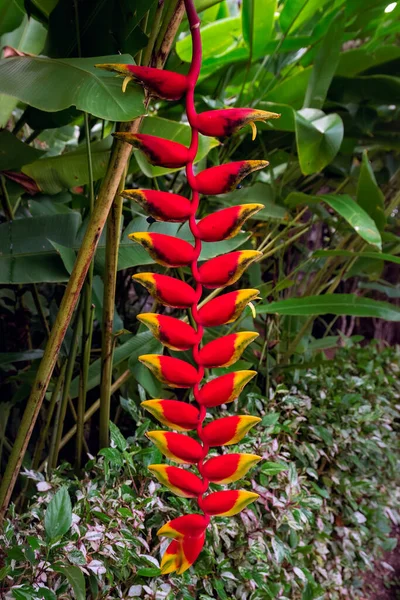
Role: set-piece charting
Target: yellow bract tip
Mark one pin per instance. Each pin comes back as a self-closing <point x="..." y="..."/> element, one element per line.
<point x="125" y="82"/>
<point x="253" y="310"/>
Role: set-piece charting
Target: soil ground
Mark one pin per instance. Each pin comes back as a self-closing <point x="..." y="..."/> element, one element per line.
<point x="383" y="583"/>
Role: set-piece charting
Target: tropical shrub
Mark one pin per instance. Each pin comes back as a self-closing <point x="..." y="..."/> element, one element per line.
<point x="328" y="490"/>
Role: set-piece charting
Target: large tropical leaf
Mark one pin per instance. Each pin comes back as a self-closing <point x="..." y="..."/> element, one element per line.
<point x="333" y="304"/>
<point x="55" y="84"/>
<point x="26" y="252"/>
<point x="14" y="153"/>
<point x="11" y="14"/>
<point x="325" y="63"/>
<point x="30" y="36"/>
<point x="318" y="138"/>
<point x="68" y="170"/>
<point x="257" y="23"/>
<point x="356" y="216"/>
<point x="369" y="196"/>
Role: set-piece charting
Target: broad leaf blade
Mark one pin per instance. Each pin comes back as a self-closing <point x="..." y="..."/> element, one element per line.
<point x="257" y="23"/>
<point x="369" y="196"/>
<point x="27" y="255"/>
<point x="325" y="63"/>
<point x="55" y="84"/>
<point x="68" y="170"/>
<point x="333" y="304"/>
<point x="318" y="138"/>
<point x="58" y="516"/>
<point x="361" y="222"/>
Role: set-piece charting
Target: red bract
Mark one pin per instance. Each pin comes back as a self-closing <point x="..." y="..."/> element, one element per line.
<point x="171" y="332"/>
<point x="229" y="467"/>
<point x="188" y="531"/>
<point x="163" y="84"/>
<point x="180" y="481"/>
<point x="226" y="350"/>
<point x="226" y="308"/>
<point x="224" y="389"/>
<point x="167" y="290"/>
<point x="172" y="413"/>
<point x="162" y="206"/>
<point x="220" y="123"/>
<point x="226" y="269"/>
<point x="177" y="447"/>
<point x="166" y="250"/>
<point x="158" y="151"/>
<point x="225" y="223"/>
<point x="226" y="178"/>
<point x="171" y="371"/>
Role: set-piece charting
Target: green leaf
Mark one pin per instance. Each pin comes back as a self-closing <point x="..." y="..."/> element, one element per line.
<point x="55" y="84"/>
<point x="117" y="437"/>
<point x="173" y="131"/>
<point x="14" y="153"/>
<point x="113" y="455"/>
<point x="389" y="290"/>
<point x="365" y="254"/>
<point x="29" y="37"/>
<point x="11" y="14"/>
<point x="216" y="39"/>
<point x="7" y="358"/>
<point x="257" y="24"/>
<point x="75" y="579"/>
<point x="333" y="304"/>
<point x="149" y="572"/>
<point x="361" y="222"/>
<point x="357" y="60"/>
<point x="279" y="549"/>
<point x="45" y="6"/>
<point x="295" y="13"/>
<point x="325" y="63"/>
<point x="318" y="138"/>
<point x="369" y="196"/>
<point x="67" y="255"/>
<point x="204" y="4"/>
<point x="141" y="343"/>
<point x="27" y="255"/>
<point x="273" y="468"/>
<point x="291" y="90"/>
<point x="68" y="170"/>
<point x="58" y="515"/>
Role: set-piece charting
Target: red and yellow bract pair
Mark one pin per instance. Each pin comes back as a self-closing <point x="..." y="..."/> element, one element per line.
<point x="184" y="418"/>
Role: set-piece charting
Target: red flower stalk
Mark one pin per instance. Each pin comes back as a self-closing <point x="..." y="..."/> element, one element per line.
<point x="188" y="532"/>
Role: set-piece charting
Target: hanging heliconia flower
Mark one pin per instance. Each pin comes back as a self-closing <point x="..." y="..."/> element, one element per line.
<point x="188" y="532"/>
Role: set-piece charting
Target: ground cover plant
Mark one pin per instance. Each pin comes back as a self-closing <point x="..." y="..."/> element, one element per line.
<point x="328" y="489"/>
<point x="325" y="237"/>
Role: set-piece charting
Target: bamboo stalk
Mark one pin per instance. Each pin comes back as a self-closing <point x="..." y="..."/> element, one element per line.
<point x="53" y="402"/>
<point x="87" y="330"/>
<point x="62" y="407"/>
<point x="88" y="315"/>
<point x="90" y="412"/>
<point x="107" y="347"/>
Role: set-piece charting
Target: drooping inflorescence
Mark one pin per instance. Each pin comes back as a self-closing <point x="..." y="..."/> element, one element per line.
<point x="188" y="531"/>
